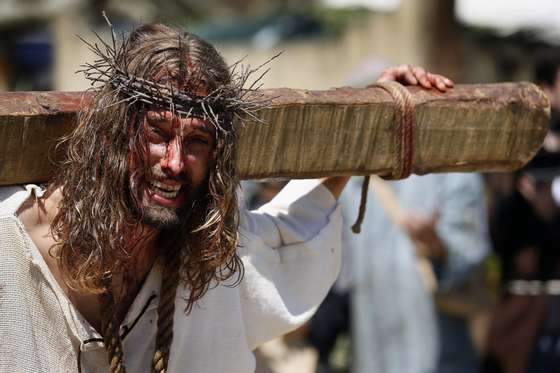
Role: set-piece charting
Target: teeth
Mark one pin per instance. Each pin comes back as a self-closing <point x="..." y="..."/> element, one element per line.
<point x="168" y="195"/>
<point x="165" y="187"/>
<point x="164" y="190"/>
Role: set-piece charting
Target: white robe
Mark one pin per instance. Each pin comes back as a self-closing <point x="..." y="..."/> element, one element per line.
<point x="291" y="252"/>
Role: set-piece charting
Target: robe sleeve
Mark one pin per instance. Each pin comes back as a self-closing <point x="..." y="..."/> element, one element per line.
<point x="291" y="251"/>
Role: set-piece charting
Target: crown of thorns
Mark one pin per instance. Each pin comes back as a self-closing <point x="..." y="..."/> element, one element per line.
<point x="233" y="100"/>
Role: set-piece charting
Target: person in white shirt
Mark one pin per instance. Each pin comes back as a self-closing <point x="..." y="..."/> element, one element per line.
<point x="136" y="257"/>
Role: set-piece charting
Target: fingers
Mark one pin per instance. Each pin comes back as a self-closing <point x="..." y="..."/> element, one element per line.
<point x="402" y="74"/>
<point x="421" y="75"/>
<point x="429" y="80"/>
<point x="388" y="75"/>
<point x="419" y="225"/>
<point x="407" y="74"/>
<point x="421" y="229"/>
<point x="439" y="81"/>
<point x="416" y="75"/>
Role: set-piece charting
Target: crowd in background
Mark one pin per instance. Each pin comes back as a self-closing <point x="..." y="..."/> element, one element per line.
<point x="452" y="273"/>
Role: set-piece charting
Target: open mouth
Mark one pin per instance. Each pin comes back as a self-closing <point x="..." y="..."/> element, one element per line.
<point x="165" y="190"/>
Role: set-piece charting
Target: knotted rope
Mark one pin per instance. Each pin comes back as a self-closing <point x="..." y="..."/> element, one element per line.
<point x="110" y="330"/>
<point x="166" y="310"/>
<point x="164" y="336"/>
<point x="403" y="139"/>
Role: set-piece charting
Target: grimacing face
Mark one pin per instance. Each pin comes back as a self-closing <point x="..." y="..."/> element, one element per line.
<point x="180" y="152"/>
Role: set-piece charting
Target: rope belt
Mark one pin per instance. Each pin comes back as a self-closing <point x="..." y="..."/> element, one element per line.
<point x="403" y="139"/>
<point x="528" y="287"/>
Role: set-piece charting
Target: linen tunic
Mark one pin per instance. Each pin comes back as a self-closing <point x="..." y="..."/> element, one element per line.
<point x="291" y="252"/>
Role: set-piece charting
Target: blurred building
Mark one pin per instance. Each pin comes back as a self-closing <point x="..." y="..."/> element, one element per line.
<point x="323" y="41"/>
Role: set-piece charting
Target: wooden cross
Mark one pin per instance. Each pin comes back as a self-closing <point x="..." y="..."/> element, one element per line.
<point x="342" y="131"/>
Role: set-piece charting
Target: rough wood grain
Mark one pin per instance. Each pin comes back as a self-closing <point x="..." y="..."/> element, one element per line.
<point x="495" y="127"/>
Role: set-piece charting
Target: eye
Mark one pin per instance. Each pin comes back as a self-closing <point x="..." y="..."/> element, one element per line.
<point x="200" y="140"/>
<point x="156" y="134"/>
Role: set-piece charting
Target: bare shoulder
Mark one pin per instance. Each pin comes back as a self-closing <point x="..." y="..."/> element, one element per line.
<point x="29" y="213"/>
<point x="36" y="215"/>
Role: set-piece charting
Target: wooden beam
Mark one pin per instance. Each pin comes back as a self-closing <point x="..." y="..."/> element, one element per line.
<point x="494" y="127"/>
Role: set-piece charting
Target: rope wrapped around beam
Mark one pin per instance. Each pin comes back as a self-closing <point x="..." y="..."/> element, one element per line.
<point x="403" y="139"/>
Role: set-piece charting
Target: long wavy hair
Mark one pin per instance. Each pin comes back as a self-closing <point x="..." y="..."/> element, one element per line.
<point x="97" y="212"/>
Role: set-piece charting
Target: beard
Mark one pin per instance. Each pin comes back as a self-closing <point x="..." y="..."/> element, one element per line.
<point x="161" y="217"/>
<point x="168" y="219"/>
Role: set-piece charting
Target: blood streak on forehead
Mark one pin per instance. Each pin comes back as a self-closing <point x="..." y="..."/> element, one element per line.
<point x="167" y="120"/>
<point x="189" y="85"/>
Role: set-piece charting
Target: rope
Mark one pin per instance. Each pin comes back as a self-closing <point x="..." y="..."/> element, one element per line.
<point x="166" y="311"/>
<point x="111" y="337"/>
<point x="164" y="336"/>
<point x="403" y="137"/>
<point x="403" y="130"/>
<point x="357" y="227"/>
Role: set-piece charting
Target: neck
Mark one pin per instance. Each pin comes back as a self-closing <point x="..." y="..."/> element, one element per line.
<point x="143" y="252"/>
<point x="141" y="242"/>
<point x="142" y="245"/>
<point x="127" y="283"/>
<point x="37" y="216"/>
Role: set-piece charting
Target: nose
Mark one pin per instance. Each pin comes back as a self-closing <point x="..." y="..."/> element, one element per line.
<point x="173" y="164"/>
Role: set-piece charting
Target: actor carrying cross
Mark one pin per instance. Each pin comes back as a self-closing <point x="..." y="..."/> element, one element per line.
<point x="136" y="257"/>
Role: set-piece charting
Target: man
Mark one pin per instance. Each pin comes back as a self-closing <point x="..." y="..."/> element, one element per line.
<point x="524" y="332"/>
<point x="525" y="224"/>
<point x="421" y="232"/>
<point x="137" y="251"/>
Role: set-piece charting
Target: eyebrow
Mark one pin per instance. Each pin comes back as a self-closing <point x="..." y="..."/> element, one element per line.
<point x="166" y="125"/>
<point x="204" y="128"/>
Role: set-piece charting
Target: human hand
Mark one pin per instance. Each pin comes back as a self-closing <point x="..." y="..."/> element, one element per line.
<point x="415" y="75"/>
<point x="422" y="231"/>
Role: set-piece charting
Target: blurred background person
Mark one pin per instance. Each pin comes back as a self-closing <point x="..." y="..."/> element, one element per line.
<point x="524" y="335"/>
<point x="525" y="228"/>
<point x="421" y="237"/>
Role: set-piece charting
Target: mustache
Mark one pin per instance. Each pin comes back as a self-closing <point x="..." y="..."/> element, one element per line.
<point x="156" y="172"/>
